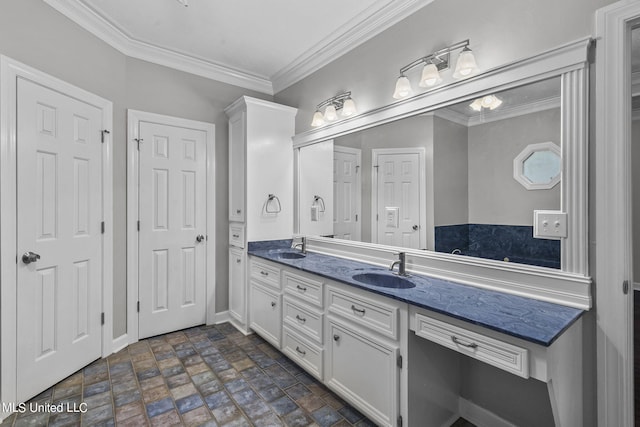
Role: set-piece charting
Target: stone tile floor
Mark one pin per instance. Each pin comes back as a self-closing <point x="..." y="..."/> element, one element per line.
<point x="208" y="376"/>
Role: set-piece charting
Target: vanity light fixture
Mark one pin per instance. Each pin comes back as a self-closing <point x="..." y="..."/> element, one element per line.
<point x="342" y="102"/>
<point x="490" y="101"/>
<point x="433" y="64"/>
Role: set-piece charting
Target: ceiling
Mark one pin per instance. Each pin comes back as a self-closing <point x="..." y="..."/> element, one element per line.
<point x="260" y="45"/>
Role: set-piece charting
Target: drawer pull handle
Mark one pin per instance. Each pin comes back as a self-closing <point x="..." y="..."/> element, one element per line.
<point x="457" y="341"/>
<point x="301" y="319"/>
<point x="358" y="310"/>
<point x="302" y="352"/>
<point x="336" y="337"/>
<point x="235" y="236"/>
<point x="273" y="303"/>
<point x="264" y="273"/>
<point x="301" y="288"/>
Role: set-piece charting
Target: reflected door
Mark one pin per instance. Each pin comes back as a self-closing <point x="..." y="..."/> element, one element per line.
<point x="59" y="293"/>
<point x="172" y="245"/>
<point x="397" y="192"/>
<point x="346" y="193"/>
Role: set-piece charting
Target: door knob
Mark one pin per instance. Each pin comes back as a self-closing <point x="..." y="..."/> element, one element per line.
<point x="29" y="257"/>
<point x="415" y="227"/>
<point x="199" y="238"/>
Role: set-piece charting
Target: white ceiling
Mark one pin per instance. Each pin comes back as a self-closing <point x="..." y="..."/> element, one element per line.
<point x="257" y="44"/>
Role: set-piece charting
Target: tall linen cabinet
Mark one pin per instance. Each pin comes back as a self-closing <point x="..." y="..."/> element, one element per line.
<point x="260" y="187"/>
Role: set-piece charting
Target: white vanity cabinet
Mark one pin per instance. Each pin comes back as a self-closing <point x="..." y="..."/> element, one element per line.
<point x="303" y="319"/>
<point x="364" y="342"/>
<point x="237" y="290"/>
<point x="265" y="301"/>
<point x="260" y="185"/>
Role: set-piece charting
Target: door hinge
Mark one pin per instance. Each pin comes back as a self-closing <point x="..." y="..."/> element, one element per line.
<point x="102" y="133"/>
<point x="138" y="307"/>
<point x="399" y="361"/>
<point x="625" y="287"/>
<point x="138" y="141"/>
<point x="102" y="318"/>
<point x="102" y="227"/>
<point x="138" y="225"/>
<point x="399" y="420"/>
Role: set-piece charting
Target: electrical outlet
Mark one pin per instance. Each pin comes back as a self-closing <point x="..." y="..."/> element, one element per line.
<point x="549" y="225"/>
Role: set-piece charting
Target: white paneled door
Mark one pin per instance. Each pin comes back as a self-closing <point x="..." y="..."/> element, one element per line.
<point x="346" y="193"/>
<point x="172" y="237"/>
<point x="398" y="186"/>
<point x="59" y="237"/>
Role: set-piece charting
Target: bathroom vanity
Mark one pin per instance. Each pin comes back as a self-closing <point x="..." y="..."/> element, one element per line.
<point x="393" y="346"/>
<point x="489" y="325"/>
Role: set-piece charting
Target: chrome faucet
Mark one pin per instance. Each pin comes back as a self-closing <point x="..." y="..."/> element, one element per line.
<point x="401" y="263"/>
<point x="302" y="244"/>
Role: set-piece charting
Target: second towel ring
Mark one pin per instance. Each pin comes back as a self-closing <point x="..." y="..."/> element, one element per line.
<point x="272" y="198"/>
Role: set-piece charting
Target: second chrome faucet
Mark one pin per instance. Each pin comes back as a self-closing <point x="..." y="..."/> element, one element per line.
<point x="401" y="263"/>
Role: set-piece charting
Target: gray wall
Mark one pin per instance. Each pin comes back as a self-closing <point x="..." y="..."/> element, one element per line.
<point x="495" y="197"/>
<point x="635" y="188"/>
<point x="450" y="173"/>
<point x="37" y="35"/>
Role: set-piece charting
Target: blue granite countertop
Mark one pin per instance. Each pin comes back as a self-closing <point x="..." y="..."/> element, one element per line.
<point x="532" y="320"/>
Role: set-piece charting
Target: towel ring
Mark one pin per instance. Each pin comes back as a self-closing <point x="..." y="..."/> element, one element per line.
<point x="272" y="198"/>
<point x="318" y="201"/>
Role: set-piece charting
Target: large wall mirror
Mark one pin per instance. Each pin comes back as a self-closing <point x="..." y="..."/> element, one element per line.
<point x="446" y="180"/>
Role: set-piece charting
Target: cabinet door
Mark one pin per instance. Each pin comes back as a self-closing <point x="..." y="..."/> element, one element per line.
<point x="364" y="370"/>
<point x="237" y="285"/>
<point x="237" y="130"/>
<point x="265" y="313"/>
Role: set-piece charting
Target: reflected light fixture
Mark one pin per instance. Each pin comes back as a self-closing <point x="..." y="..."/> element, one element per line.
<point x="433" y="64"/>
<point x="489" y="101"/>
<point x="185" y="3"/>
<point x="342" y="102"/>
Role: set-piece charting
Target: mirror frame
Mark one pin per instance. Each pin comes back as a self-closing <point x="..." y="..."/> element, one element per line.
<point x="571" y="63"/>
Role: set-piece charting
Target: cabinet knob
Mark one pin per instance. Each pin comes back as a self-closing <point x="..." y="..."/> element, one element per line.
<point x="336" y="337"/>
<point x="238" y="260"/>
<point x="273" y="303"/>
<point x="238" y="211"/>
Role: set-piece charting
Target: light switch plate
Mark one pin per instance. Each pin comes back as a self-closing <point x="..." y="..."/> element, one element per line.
<point x="549" y="225"/>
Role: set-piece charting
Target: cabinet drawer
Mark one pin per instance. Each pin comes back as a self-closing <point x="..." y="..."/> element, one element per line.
<point x="303" y="319"/>
<point x="306" y="289"/>
<point x="307" y="355"/>
<point x="265" y="273"/>
<point x="375" y="315"/>
<point x="236" y="235"/>
<point x="498" y="353"/>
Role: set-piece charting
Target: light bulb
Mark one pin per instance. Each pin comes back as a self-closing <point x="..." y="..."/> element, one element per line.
<point x="476" y="105"/>
<point x="403" y="88"/>
<point x="330" y="113"/>
<point x="318" y="119"/>
<point x="487" y="101"/>
<point x="349" y="107"/>
<point x="466" y="64"/>
<point x="496" y="103"/>
<point x="430" y="76"/>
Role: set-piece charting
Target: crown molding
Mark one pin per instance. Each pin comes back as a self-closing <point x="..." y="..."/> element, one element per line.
<point x="116" y="38"/>
<point x="387" y="13"/>
<point x="332" y="48"/>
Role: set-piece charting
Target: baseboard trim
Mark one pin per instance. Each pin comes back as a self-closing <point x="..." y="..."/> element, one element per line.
<point x="119" y="343"/>
<point x="221" y="317"/>
<point x="480" y="416"/>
